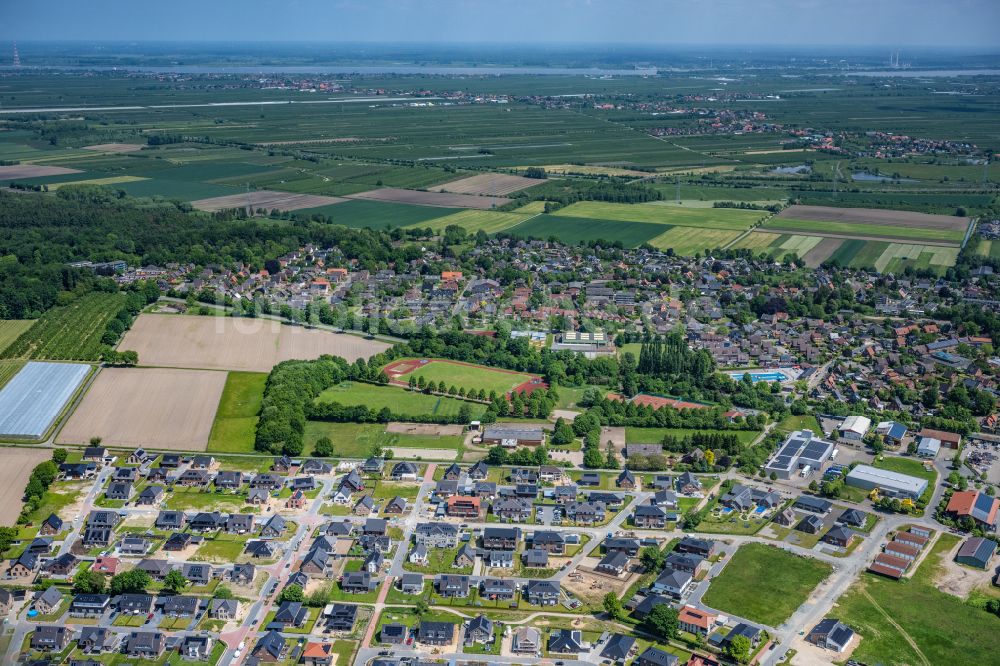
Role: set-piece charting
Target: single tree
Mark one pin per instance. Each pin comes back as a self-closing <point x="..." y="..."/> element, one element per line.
<point x="613" y="606"/>
<point x="174" y="581"/>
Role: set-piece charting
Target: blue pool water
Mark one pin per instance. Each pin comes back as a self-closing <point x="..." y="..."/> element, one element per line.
<point x="760" y="509"/>
<point x="760" y="376"/>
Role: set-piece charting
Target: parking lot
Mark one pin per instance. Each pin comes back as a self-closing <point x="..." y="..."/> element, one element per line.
<point x="984" y="458"/>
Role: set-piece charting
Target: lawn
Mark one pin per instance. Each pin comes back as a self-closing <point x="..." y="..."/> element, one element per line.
<point x="939" y="624"/>
<point x="765" y="584"/>
<point x="656" y="435"/>
<point x="236" y="418"/>
<point x="439" y="560"/>
<point x="195" y="499"/>
<point x="466" y="375"/>
<point x="220" y="549"/>
<point x="805" y="422"/>
<point x="401" y="401"/>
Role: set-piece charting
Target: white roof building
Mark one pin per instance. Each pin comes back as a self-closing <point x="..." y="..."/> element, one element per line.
<point x="856" y="426"/>
<point x="928" y="447"/>
<point x="888" y="482"/>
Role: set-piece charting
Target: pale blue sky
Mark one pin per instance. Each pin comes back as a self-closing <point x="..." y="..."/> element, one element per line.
<point x="890" y="23"/>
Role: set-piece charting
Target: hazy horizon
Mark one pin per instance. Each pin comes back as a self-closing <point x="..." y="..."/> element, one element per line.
<point x="969" y="25"/>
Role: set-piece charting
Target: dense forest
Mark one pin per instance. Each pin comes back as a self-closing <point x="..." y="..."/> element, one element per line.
<point x="41" y="234"/>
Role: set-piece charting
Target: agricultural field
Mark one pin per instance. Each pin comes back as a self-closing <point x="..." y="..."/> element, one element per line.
<point x="227" y="343"/>
<point x="764" y="583"/>
<point x="68" y="332"/>
<point x="110" y="180"/>
<point x="458" y="374"/>
<point x="18" y="464"/>
<point x="573" y="230"/>
<point x="159" y="408"/>
<point x="730" y="219"/>
<point x="34" y="398"/>
<point x="399" y="400"/>
<point x="490" y="184"/>
<point x="11" y="330"/>
<point x="870" y="223"/>
<point x="897" y="629"/>
<point x="236" y="419"/>
<point x="438" y="199"/>
<point x="268" y="200"/>
<point x="690" y="240"/>
<point x="473" y="221"/>
<point x="359" y="213"/>
<point x="20" y="171"/>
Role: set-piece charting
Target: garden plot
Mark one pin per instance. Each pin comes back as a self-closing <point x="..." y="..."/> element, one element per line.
<point x="440" y="199"/>
<point x="159" y="408"/>
<point x="225" y="343"/>
<point x="492" y="184"/>
<point x="266" y="199"/>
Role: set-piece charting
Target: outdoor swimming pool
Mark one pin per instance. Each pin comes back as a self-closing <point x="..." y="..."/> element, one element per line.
<point x="761" y="376"/>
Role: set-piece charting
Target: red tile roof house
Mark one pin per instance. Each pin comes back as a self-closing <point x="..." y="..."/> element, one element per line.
<point x="977" y="505"/>
<point x="696" y="621"/>
<point x="106" y="565"/>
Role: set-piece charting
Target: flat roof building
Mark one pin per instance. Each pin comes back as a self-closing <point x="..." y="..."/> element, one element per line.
<point x="888" y="482"/>
<point x="801" y="451"/>
<point x="855" y="427"/>
<point x="928" y="447"/>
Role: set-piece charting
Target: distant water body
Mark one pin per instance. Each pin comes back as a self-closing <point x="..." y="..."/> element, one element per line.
<point x="359" y="69"/>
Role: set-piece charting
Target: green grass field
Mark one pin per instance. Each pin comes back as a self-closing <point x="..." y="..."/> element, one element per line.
<point x="765" y="584"/>
<point x="11" y="329"/>
<point x="730" y="219"/>
<point x="862" y="230"/>
<point x="689" y="240"/>
<point x="656" y="435"/>
<point x="465" y="376"/>
<point x="943" y="627"/>
<point x="476" y="220"/>
<point x="236" y="418"/>
<point x="399" y="400"/>
<point x="355" y="440"/>
<point x="573" y="230"/>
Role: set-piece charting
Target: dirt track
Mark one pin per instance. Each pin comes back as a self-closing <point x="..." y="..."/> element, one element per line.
<point x="17" y="465"/>
<point x="158" y="408"/>
<point x="225" y="343"/>
<point x="892" y="218"/>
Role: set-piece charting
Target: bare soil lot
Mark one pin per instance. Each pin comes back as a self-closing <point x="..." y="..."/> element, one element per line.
<point x="115" y="147"/>
<point x="492" y="184"/>
<point x="266" y="199"/>
<point x="17" y="466"/>
<point x="892" y="218"/>
<point x="418" y="198"/>
<point x="821" y="252"/>
<point x="32" y="171"/>
<point x="225" y="343"/>
<point x="158" y="408"/>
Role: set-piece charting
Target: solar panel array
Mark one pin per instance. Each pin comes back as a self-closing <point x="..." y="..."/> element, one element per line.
<point x="32" y="400"/>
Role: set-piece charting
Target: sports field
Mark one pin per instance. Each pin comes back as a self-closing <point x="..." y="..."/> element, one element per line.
<point x="460" y="375"/>
<point x="765" y="584"/>
<point x="400" y="400"/>
<point x="160" y="408"/>
<point x="731" y="219"/>
<point x="475" y="220"/>
<point x="227" y="343"/>
<point x="236" y="418"/>
<point x="355" y="440"/>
